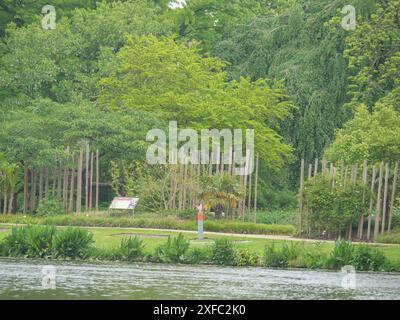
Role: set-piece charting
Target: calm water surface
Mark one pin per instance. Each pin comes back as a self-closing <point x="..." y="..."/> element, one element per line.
<point x="22" y="279"/>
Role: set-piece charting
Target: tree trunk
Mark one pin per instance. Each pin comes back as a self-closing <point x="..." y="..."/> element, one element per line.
<point x="394" y="187"/>
<point x="385" y="192"/>
<point x="97" y="180"/>
<point x="371" y="200"/>
<point x="378" y="203"/>
<point x="79" y="182"/>
<point x="87" y="178"/>
<point x="255" y="191"/>
<point x="26" y="177"/>
<point x="71" y="191"/>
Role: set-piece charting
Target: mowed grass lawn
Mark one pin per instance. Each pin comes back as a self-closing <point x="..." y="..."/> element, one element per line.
<point x="111" y="237"/>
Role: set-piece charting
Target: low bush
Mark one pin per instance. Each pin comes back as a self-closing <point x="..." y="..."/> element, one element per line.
<point x="29" y="241"/>
<point x="341" y="255"/>
<point x="368" y="259"/>
<point x="279" y="257"/>
<point x="197" y="255"/>
<point x="391" y="237"/>
<point x="72" y="243"/>
<point x="132" y="249"/>
<point x="282" y="217"/>
<point x="362" y="257"/>
<point x="49" y="206"/>
<point x="174" y="250"/>
<point x="244" y="257"/>
<point x="223" y="252"/>
<point x="47" y="242"/>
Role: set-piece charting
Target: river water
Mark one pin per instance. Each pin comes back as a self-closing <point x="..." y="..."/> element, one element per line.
<point x="23" y="279"/>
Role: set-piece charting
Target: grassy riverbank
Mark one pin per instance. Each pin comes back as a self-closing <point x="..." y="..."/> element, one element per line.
<point x="237" y="250"/>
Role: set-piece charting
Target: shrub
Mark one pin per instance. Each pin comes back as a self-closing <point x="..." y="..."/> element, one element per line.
<point x="391" y="237"/>
<point x="72" y="243"/>
<point x="341" y="255"/>
<point x="279" y="258"/>
<point x="49" y="206"/>
<point x="244" y="257"/>
<point x="332" y="209"/>
<point x="29" y="241"/>
<point x="366" y="258"/>
<point x="131" y="248"/>
<point x="197" y="255"/>
<point x="174" y="250"/>
<point x="222" y="252"/>
<point x="275" y="217"/>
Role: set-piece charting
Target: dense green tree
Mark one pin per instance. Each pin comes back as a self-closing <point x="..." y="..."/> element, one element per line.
<point x="174" y="82"/>
<point x="374" y="137"/>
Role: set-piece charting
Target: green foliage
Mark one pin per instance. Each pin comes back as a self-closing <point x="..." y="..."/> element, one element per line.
<point x="279" y="257"/>
<point x="189" y="84"/>
<point x="197" y="255"/>
<point x="366" y="258"/>
<point x="362" y="257"/>
<point x="49" y="206"/>
<point x="132" y="248"/>
<point x="332" y="209"/>
<point x="30" y="241"/>
<point x="153" y="222"/>
<point x="244" y="257"/>
<point x="342" y="254"/>
<point x="368" y="136"/>
<point x="174" y="250"/>
<point x="220" y="192"/>
<point x="72" y="243"/>
<point x="223" y="252"/>
<point x="391" y="237"/>
<point x="281" y="217"/>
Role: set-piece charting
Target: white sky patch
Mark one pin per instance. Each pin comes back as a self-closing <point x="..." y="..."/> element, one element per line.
<point x="177" y="4"/>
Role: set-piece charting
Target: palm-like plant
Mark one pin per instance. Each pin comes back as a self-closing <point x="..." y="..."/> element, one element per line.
<point x="220" y="192"/>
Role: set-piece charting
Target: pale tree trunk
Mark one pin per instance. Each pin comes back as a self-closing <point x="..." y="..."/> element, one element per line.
<point x="378" y="203"/>
<point x="26" y="177"/>
<point x="394" y="187"/>
<point x="97" y="180"/>
<point x="255" y="191"/>
<point x="385" y="192"/>
<point x="371" y="199"/>
<point x="79" y="182"/>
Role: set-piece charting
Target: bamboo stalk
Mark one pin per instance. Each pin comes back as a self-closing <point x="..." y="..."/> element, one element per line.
<point x="316" y="167"/>
<point x="46" y="183"/>
<point x="87" y="177"/>
<point x="385" y="192"/>
<point x="97" y="180"/>
<point x="394" y="187"/>
<point x="71" y="190"/>
<point x="255" y="191"/>
<point x="25" y="188"/>
<point x="299" y="218"/>
<point x="371" y="199"/>
<point x="79" y="182"/>
<point x="91" y="182"/>
<point x="249" y="200"/>
<point x="378" y="203"/>
<point x="364" y="183"/>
